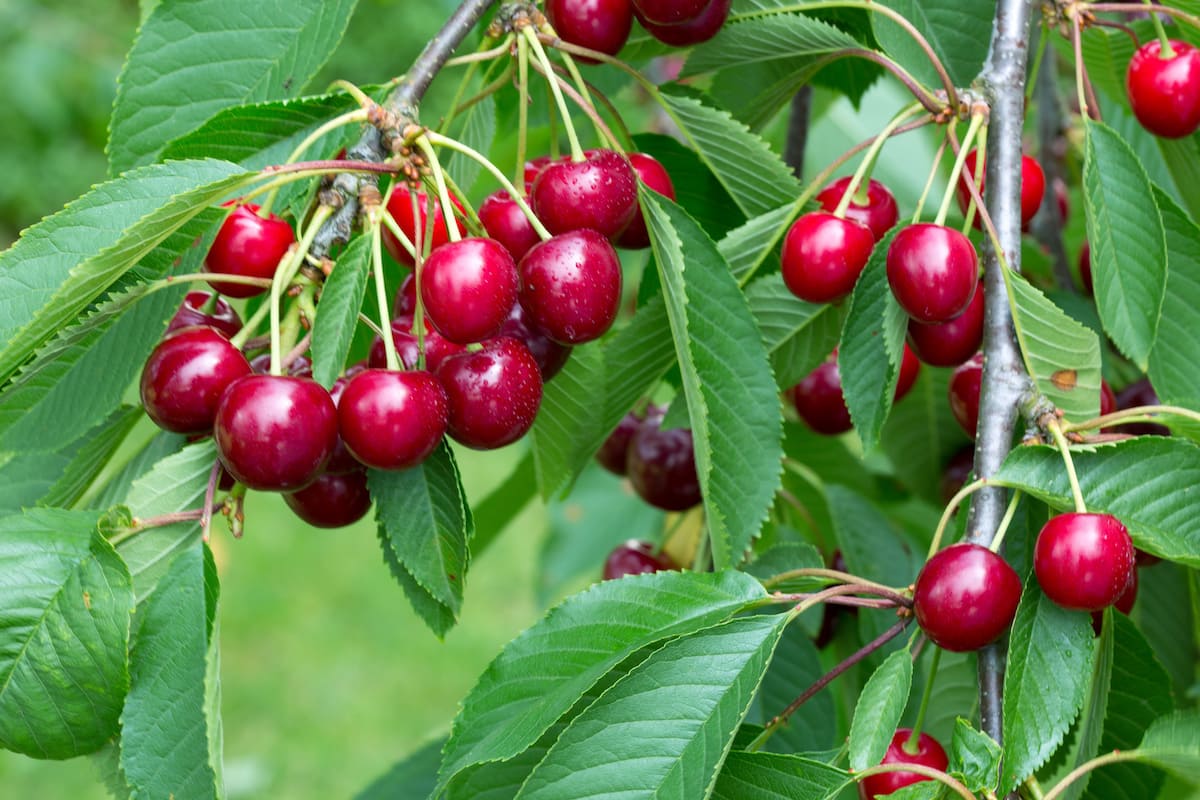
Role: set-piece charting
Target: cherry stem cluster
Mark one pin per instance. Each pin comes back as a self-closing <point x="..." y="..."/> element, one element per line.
<point x="919" y="769"/>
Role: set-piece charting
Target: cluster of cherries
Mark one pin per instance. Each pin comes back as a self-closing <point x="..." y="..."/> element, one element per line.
<point x="604" y="25"/>
<point x="660" y="463"/>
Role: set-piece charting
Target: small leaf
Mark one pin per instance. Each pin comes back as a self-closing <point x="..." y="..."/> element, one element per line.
<point x="337" y="315"/>
<point x="749" y="40"/>
<point x="768" y="776"/>
<point x="1175" y="360"/>
<point x="798" y="335"/>
<point x="956" y="30"/>
<point x="975" y="757"/>
<point x="1173" y="743"/>
<point x="877" y="714"/>
<point x="478" y="132"/>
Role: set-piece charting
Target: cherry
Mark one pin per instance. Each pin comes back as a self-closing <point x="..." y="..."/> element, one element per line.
<point x="437" y="348"/>
<point x="469" y="287"/>
<point x="221" y="316"/>
<point x="549" y="354"/>
<point x="505" y="222"/>
<point x="699" y="29"/>
<point x="819" y="402"/>
<point x="1108" y="400"/>
<point x="274" y="432"/>
<point x="613" y="453"/>
<point x="823" y="256"/>
<point x="249" y="246"/>
<point x="669" y="12"/>
<point x="185" y="376"/>
<point x="948" y="344"/>
<point x="661" y="465"/>
<point x="1124" y="603"/>
<point x="1085" y="269"/>
<point x="634" y="557"/>
<point x="879" y="213"/>
<point x="965" y="597"/>
<point x="965" y="384"/>
<point x="300" y="367"/>
<point x="492" y="394"/>
<point x="1140" y="393"/>
<point x="571" y="286"/>
<point x="534" y="167"/>
<point x="957" y="472"/>
<point x="1164" y="93"/>
<point x="399" y="205"/>
<point x="392" y="420"/>
<point x="342" y="460"/>
<point x="929" y="754"/>
<point x="653" y="174"/>
<point x="601" y="25"/>
<point x="933" y="271"/>
<point x="1083" y="561"/>
<point x="599" y="192"/>
<point x="332" y="500"/>
<point x="910" y="368"/>
<point x="1033" y="187"/>
<point x="405" y="303"/>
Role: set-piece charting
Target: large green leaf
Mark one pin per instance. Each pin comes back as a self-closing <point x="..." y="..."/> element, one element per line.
<point x="664" y="729"/>
<point x="414" y="776"/>
<point x="768" y="776"/>
<point x="1137" y="480"/>
<point x="1049" y="666"/>
<point x="193" y="59"/>
<point x="91" y="455"/>
<point x="877" y="714"/>
<point x="166" y="735"/>
<point x="1175" y="360"/>
<point x="957" y="30"/>
<point x="337" y="314"/>
<point x="65" y="600"/>
<point x="542" y="672"/>
<point x="920" y="437"/>
<point x="1173" y="743"/>
<point x="747" y="246"/>
<point x="731" y="394"/>
<point x="796" y="666"/>
<point x="1128" y="245"/>
<point x="749" y="40"/>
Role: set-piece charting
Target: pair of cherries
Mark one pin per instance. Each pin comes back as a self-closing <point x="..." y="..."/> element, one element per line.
<point x="604" y="25"/>
<point x="660" y="463"/>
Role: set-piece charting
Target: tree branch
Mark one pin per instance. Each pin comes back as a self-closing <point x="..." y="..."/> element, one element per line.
<point x="797" y="132"/>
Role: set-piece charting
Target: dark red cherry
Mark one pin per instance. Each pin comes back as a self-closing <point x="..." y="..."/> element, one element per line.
<point x="634" y="557"/>
<point x="219" y="314"/>
<point x="275" y="433"/>
<point x="933" y="271"/>
<point x="1136" y="394"/>
<point x="910" y="369"/>
<point x="505" y="222"/>
<point x="185" y="376"/>
<point x="965" y="384"/>
<point x="929" y="754"/>
<point x="1033" y="187"/>
<point x="965" y="597"/>
<point x="1164" y="93"/>
<point x="549" y="354"/>
<point x="1085" y="269"/>
<point x="601" y="25"/>
<point x="661" y="465"/>
<point x="613" y="453"/>
<point x="948" y="344"/>
<point x="300" y="366"/>
<point x="1083" y="561"/>
<point x="249" y="246"/>
<point x="1108" y="400"/>
<point x="653" y="174"/>
<point x="392" y="420"/>
<point x="1125" y="602"/>
<point x="405" y="302"/>
<point x="669" y="12"/>
<point x="599" y="192"/>
<point x="823" y="256"/>
<point x="332" y="500"/>
<point x="399" y="205"/>
<point x="469" y="287"/>
<point x="819" y="401"/>
<point x="437" y="347"/>
<point x="492" y="394"/>
<point x="699" y="29"/>
<point x="879" y="213"/>
<point x="534" y="167"/>
<point x="343" y="460"/>
<point x="571" y="286"/>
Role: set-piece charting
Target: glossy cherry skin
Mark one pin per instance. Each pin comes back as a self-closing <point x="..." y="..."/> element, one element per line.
<point x="965" y="385"/>
<point x="1124" y="603"/>
<point x="965" y="597"/>
<point x="534" y="167"/>
<point x="332" y="500"/>
<point x="1165" y="93"/>
<point x="669" y="12"/>
<point x="823" y="256"/>
<point x="185" y="376"/>
<point x="1108" y="400"/>
<point x="699" y="29"/>
<point x="601" y="25"/>
<point x="653" y="174"/>
<point x="634" y="557"/>
<point x="392" y="420"/>
<point x="1033" y="187"/>
<point x="571" y="286"/>
<point x="549" y="354"/>
<point x="437" y="347"/>
<point x="1085" y="269"/>
<point x="275" y="433"/>
<point x="399" y="205"/>
<point x="342" y="460"/>
<point x="599" y="192"/>
<point x="879" y="213"/>
<point x="933" y="271"/>
<point x="819" y="401"/>
<point x="929" y="754"/>
<point x="248" y="246"/>
<point x="505" y="222"/>
<point x="948" y="344"/>
<point x="613" y="454"/>
<point x="910" y="370"/>
<point x="1083" y="561"/>
<point x="661" y="466"/>
<point x="492" y="394"/>
<point x="222" y="317"/>
<point x="469" y="287"/>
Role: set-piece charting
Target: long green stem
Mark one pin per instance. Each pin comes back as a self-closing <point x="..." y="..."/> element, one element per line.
<point x="869" y="158"/>
<point x="1114" y="757"/>
<point x="1005" y="521"/>
<point x="283" y="278"/>
<point x="912" y="744"/>
<point x="976" y="178"/>
<point x="968" y="139"/>
<point x="385" y="322"/>
<point x="548" y="70"/>
<point x="1136" y="414"/>
<point x="522" y="106"/>
<point x="933" y="171"/>
<point x="443" y="193"/>
<point x="1065" y="449"/>
<point x="920" y="769"/>
<point x="951" y="507"/>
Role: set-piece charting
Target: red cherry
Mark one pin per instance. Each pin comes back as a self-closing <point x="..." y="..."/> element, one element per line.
<point x="1108" y="400"/>
<point x="653" y="174"/>
<point x="551" y="356"/>
<point x="1083" y="561"/>
<point x="823" y="256"/>
<point x="1033" y="187"/>
<point x="965" y="384"/>
<point x="399" y="205"/>
<point x="469" y="287"/>
<point x="929" y="754"/>
<point x="599" y="192"/>
<point x="661" y="466"/>
<point x="1124" y="603"/>
<point x="275" y="433"/>
<point x="1164" y="93"/>
<point x="248" y="246"/>
<point x="185" y="376"/>
<point x="879" y="213"/>
<point x="392" y="420"/>
<point x="1085" y="269"/>
<point x="634" y="557"/>
<point x="221" y="316"/>
<point x="437" y="347"/>
<point x="332" y="500"/>
<point x="933" y="271"/>
<point x="965" y="597"/>
<point x="571" y="286"/>
<point x="669" y="12"/>
<point x="534" y="167"/>
<point x="505" y="222"/>
<point x="948" y="344"/>
<point x="342" y="460"/>
<point x="613" y="453"/>
<point x="910" y="368"/>
<point x="699" y="29"/>
<point x="492" y="394"/>
<point x="601" y="25"/>
<point x="819" y="402"/>
<point x="405" y="303"/>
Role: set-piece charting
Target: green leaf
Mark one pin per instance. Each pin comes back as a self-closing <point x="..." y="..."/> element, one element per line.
<point x="494" y="513"/>
<point x="478" y="132"/>
<point x="749" y="40"/>
<point x="872" y="347"/>
<point x="877" y="714"/>
<point x="663" y="730"/>
<point x="796" y="666"/>
<point x="1049" y="665"/>
<point x="957" y="30"/>
<point x="920" y="437"/>
<point x="66" y="260"/>
<point x="438" y="617"/>
<point x="541" y="673"/>
<point x="869" y="541"/>
<point x="165" y="731"/>
<point x="747" y="246"/>
<point x="1090" y="725"/>
<point x="697" y="189"/>
<point x="1137" y="480"/>
<point x="975" y="757"/>
<point x="91" y="455"/>
<point x="191" y="60"/>
<point x="1173" y="743"/>
<point x="337" y="315"/>
<point x="65" y="609"/>
<point x="1175" y="360"/>
<point x="786" y="557"/>
<point x="1061" y="355"/>
<point x="113" y="491"/>
<point x="1169" y="624"/>
<point x="731" y="394"/>
<point x="798" y="335"/>
<point x="752" y="173"/>
<point x="1128" y="246"/>
<point x="414" y="776"/>
<point x="768" y="776"/>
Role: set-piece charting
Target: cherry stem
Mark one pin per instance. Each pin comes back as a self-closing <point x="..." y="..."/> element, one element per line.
<point x="499" y="83"/>
<point x="1088" y="107"/>
<point x="298" y="350"/>
<point x="933" y="171"/>
<point x="522" y="106"/>
<point x="626" y="138"/>
<point x="919" y="769"/>
<point x="1065" y="449"/>
<point x="443" y="193"/>
<point x="1005" y="521"/>
<point x="1165" y="51"/>
<point x="976" y="178"/>
<point x="849" y="600"/>
<point x="1114" y="757"/>
<point x="283" y="277"/>
<point x="424" y="236"/>
<point x="358" y="115"/>
<point x="951" y="507"/>
<point x="1177" y="13"/>
<point x="912" y="743"/>
<point x="385" y="322"/>
<point x="569" y="63"/>
<point x="210" y="491"/>
<point x="972" y="129"/>
<point x="586" y="107"/>
<point x="843" y="579"/>
<point x="159" y="521"/>
<point x="868" y="161"/>
<point x="197" y="277"/>
<point x="1129" y="415"/>
<point x="481" y="54"/>
<point x="242" y="338"/>
<point x="548" y="70"/>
